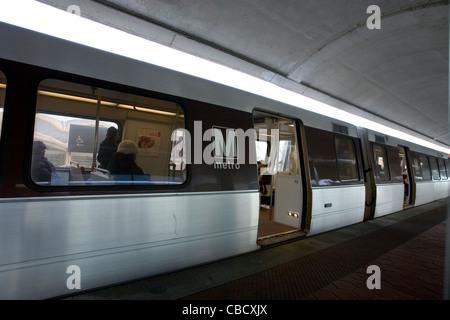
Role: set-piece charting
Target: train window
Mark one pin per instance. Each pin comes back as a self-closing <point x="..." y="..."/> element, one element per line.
<point x="425" y="167"/>
<point x="86" y="135"/>
<point x="287" y="161"/>
<point x="381" y="163"/>
<point x="442" y="169"/>
<point x="2" y="97"/>
<point x="416" y="167"/>
<point x="262" y="150"/>
<point x="447" y="163"/>
<point x="434" y="168"/>
<point x="346" y="159"/>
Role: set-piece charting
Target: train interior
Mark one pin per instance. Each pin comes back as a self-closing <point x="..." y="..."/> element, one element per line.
<point x="280" y="182"/>
<point x="72" y="120"/>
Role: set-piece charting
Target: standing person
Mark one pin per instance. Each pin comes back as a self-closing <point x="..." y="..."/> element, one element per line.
<point x="41" y="167"/>
<point x="108" y="147"/>
<point x="406" y="183"/>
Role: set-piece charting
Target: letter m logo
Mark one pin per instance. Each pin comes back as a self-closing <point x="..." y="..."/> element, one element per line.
<point x="225" y="144"/>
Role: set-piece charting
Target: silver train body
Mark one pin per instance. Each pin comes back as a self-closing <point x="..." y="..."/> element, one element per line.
<point x="113" y="233"/>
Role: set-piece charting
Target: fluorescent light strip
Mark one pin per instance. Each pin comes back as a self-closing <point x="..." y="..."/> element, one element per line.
<point x="43" y="18"/>
<point x="74" y="98"/>
<point x="103" y="102"/>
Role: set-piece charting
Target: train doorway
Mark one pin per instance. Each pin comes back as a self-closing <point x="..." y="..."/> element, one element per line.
<point x="280" y="181"/>
<point x="408" y="179"/>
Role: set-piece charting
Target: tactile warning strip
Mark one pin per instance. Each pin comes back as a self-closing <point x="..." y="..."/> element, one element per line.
<point x="300" y="277"/>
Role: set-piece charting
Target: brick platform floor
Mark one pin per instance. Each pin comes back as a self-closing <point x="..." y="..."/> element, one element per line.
<point x="409" y="253"/>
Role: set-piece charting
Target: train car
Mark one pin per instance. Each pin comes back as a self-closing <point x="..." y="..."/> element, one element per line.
<point x="401" y="174"/>
<point x="224" y="172"/>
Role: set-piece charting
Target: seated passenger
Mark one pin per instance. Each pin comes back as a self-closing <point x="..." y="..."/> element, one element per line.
<point x="41" y="168"/>
<point x="123" y="163"/>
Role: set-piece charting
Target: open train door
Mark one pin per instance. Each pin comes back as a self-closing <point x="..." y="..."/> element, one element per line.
<point x="280" y="178"/>
<point x="371" y="189"/>
<point x="408" y="176"/>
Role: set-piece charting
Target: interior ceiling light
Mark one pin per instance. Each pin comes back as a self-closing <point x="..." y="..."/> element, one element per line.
<point x="103" y="102"/>
<point x="45" y="19"/>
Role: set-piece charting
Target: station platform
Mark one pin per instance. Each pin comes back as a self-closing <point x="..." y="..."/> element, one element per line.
<point x="407" y="247"/>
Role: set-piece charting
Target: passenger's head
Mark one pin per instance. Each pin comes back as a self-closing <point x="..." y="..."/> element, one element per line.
<point x="39" y="147"/>
<point x="112" y="132"/>
<point x="128" y="147"/>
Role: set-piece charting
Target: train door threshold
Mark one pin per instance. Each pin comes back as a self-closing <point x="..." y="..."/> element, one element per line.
<point x="280" y="237"/>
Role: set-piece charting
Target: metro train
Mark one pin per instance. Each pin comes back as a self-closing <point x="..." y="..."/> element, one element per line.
<point x="226" y="172"/>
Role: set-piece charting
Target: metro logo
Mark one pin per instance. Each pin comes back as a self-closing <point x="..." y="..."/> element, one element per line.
<point x="226" y="150"/>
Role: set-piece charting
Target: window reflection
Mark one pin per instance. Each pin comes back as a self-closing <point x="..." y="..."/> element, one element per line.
<point x="381" y="163"/>
<point x="425" y="167"/>
<point x="434" y="169"/>
<point x="442" y="169"/>
<point x="346" y="159"/>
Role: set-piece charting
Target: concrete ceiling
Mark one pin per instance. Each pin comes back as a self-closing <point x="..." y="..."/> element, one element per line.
<point x="397" y="75"/>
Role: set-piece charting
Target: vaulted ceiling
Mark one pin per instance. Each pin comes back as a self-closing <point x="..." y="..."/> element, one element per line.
<point x="330" y="50"/>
